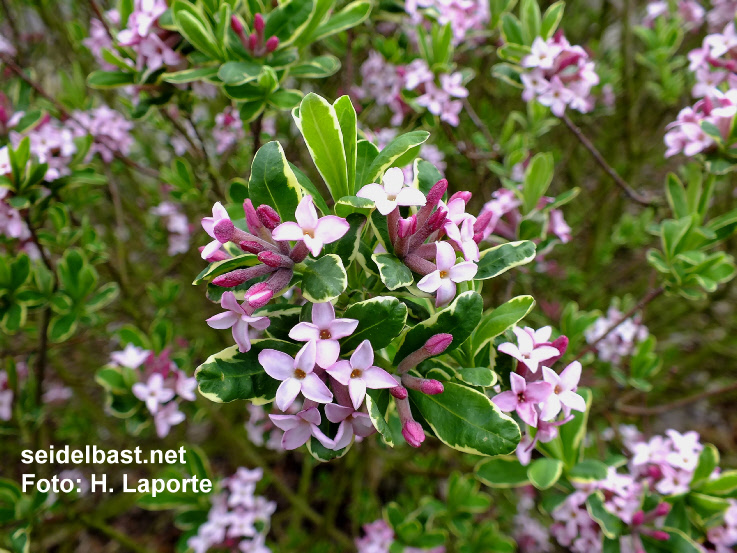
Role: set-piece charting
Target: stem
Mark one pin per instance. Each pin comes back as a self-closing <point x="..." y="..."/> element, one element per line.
<point x="650" y="296"/>
<point x="99" y="15"/>
<point x="256" y="126"/>
<point x="619" y="181"/>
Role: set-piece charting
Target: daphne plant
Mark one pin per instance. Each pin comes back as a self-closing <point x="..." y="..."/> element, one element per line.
<point x="370" y="304"/>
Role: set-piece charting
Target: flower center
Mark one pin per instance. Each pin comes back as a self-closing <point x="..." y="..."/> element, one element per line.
<point x="325" y="335"/>
<point x="557" y="390"/>
<point x="521" y="397"/>
<point x="309" y="233"/>
<point x="356" y="373"/>
<point x="443" y="274"/>
<point x="391" y="197"/>
<point x="299" y="374"/>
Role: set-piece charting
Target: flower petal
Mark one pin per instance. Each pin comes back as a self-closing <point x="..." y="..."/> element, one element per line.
<point x="573" y="401"/>
<point x="393" y="181"/>
<point x="571" y="375"/>
<point x="305" y="358"/>
<point x="313" y="388"/>
<point x="327" y="352"/>
<point x="322" y="314"/>
<point x="311" y="415"/>
<point x="285" y="422"/>
<point x="341" y="371"/>
<point x="331" y="228"/>
<point x="377" y="378"/>
<point x="446" y="292"/>
<point x="430" y="283"/>
<point x="537" y="392"/>
<point x="340" y="328"/>
<point x="506" y="401"/>
<point x="222" y="320"/>
<point x="210" y="249"/>
<point x="527" y="413"/>
<point x="277" y="364"/>
<point x="374" y="192"/>
<point x="363" y="357"/>
<point x="296" y="437"/>
<point x="445" y="256"/>
<point x="241" y="336"/>
<point x="287" y="393"/>
<point x="229" y="302"/>
<point x="304" y="332"/>
<point x="306" y="214"/>
<point x="463" y="271"/>
<point x="288" y="231"/>
<point x="337" y="413"/>
<point x="357" y="388"/>
<point x="362" y="425"/>
<point x="411" y="196"/>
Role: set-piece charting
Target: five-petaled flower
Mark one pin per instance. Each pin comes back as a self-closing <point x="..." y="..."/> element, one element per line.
<point x="301" y="427"/>
<point x="237" y="317"/>
<point x="392" y="192"/>
<point x="448" y="273"/>
<point x="564" y="394"/>
<point x="324" y="330"/>
<point x="523" y="398"/>
<point x="359" y="374"/>
<point x="313" y="231"/>
<point x="153" y="392"/>
<point x="208" y="223"/>
<point x="352" y="423"/>
<point x="528" y="352"/>
<point x="297" y="375"/>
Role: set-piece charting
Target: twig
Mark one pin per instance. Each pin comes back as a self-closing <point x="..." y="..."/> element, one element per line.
<point x="619" y="181"/>
<point x="660" y="409"/>
<point x="11" y="23"/>
<point x="256" y="126"/>
<point x="478" y="122"/>
<point x="650" y="296"/>
<point x="98" y="13"/>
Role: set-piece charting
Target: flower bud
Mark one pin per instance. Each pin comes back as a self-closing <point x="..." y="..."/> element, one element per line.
<point x="407" y="227"/>
<point x="252" y="42"/>
<point x="252" y="220"/>
<point x="236" y="25"/>
<point x="437" y="220"/>
<point x="436" y="192"/>
<point x="438" y="344"/>
<point x="272" y="44"/>
<point x="431" y="387"/>
<point x="259" y="23"/>
<point x="660" y="535"/>
<point x="638" y="518"/>
<point x="239" y="276"/>
<point x="399" y="392"/>
<point x="272" y="259"/>
<point x="259" y="295"/>
<point x="413" y="433"/>
<point x="251" y="247"/>
<point x="464" y="195"/>
<point x="662" y="509"/>
<point x="268" y="216"/>
<point x="223" y="230"/>
<point x="217" y="256"/>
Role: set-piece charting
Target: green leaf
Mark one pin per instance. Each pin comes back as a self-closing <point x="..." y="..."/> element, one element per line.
<point x="347" y="247"/>
<point x="672" y="234"/>
<point x="588" y="470"/>
<point x="498" y="320"/>
<point x="285" y="98"/>
<point x="538" y="176"/>
<point x="394" y="274"/>
<point x="610" y="525"/>
<point x="110" y="79"/>
<point x="544" y="473"/>
<point x="393" y="151"/>
<point x="377" y="402"/>
<point x="348" y="126"/>
<point x="107" y="294"/>
<point x="477" y="376"/>
<point x="366" y="153"/>
<point x="426" y="175"/>
<point x="319" y="125"/>
<point x="531" y="19"/>
<point x="380" y="320"/>
<point x="350" y="16"/>
<point x="62" y="327"/>
<point x="273" y="182"/>
<point x="459" y="319"/>
<point x="311" y="189"/>
<point x="353" y="204"/>
<point x="239" y="72"/>
<point x="511" y="29"/>
<point x="678" y="543"/>
<point x="229" y="375"/>
<point x="196" y="31"/>
<point x="708" y="461"/>
<point x="190" y="75"/>
<point x="500" y="259"/>
<point x="324" y="279"/>
<point x="551" y="19"/>
<point x="723" y="484"/>
<point x="573" y="432"/>
<point x="319" y="67"/>
<point x="288" y="20"/>
<point x="467" y="420"/>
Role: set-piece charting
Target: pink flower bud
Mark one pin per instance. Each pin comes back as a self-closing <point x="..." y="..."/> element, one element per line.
<point x="438" y="343"/>
<point x="223" y="230"/>
<point x="399" y="392"/>
<point x="239" y="276"/>
<point x="464" y="195"/>
<point x="437" y="220"/>
<point x="259" y="295"/>
<point x="660" y="535"/>
<point x="252" y="42"/>
<point x="483" y="221"/>
<point x="272" y="44"/>
<point x="407" y="227"/>
<point x="251" y="247"/>
<point x="662" y="509"/>
<point x="431" y="387"/>
<point x="413" y="433"/>
<point x="236" y="25"/>
<point x="259" y="23"/>
<point x="436" y="192"/>
<point x="272" y="259"/>
<point x="252" y="220"/>
<point x="638" y="518"/>
<point x="268" y="216"/>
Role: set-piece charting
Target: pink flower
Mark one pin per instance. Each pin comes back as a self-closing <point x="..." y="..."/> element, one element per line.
<point x="392" y="192"/>
<point x="300" y="427"/>
<point x="351" y="423"/>
<point x="564" y="394"/>
<point x="528" y="352"/>
<point x="153" y="393"/>
<point x="443" y="280"/>
<point x="313" y="231"/>
<point x="542" y="54"/>
<point x="324" y="330"/>
<point x="208" y="223"/>
<point x="297" y="376"/>
<point x="523" y="398"/>
<point x="131" y="356"/>
<point x="166" y="417"/>
<point x="463" y="238"/>
<point x="239" y="319"/>
<point x="453" y="85"/>
<point x="359" y="374"/>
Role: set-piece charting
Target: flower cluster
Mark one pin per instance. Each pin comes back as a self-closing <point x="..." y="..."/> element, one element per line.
<point x="721" y="13"/>
<point x="399" y="86"/>
<point x="264" y="433"/>
<point x="379" y="538"/>
<point x="612" y="344"/>
<point x="686" y="134"/>
<point x="257" y="44"/>
<point x="177" y="225"/>
<point x="154" y="46"/>
<point x="466" y="17"/>
<point x="715" y="63"/>
<point x="11" y="221"/>
<point x="99" y="38"/>
<point x="724" y="537"/>
<point x="538" y="394"/>
<point x="109" y="129"/>
<point x="689" y="11"/>
<point x="417" y="239"/>
<point x="559" y="75"/>
<point x="228" y="129"/>
<point x="51" y="142"/>
<point x="161" y="384"/>
<point x="238" y="519"/>
<point x="6" y="398"/>
<point x="531" y="536"/>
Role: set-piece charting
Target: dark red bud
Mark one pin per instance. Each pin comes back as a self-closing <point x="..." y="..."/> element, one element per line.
<point x="236" y="25"/>
<point x="251" y="247"/>
<point x="252" y="42"/>
<point x="270" y="258"/>
<point x="431" y="387"/>
<point x="638" y="518"/>
<point x="464" y="195"/>
<point x="436" y="192"/>
<point x="413" y="433"/>
<point x="438" y="344"/>
<point x="268" y="216"/>
<point x="272" y="44"/>
<point x="259" y="23"/>
<point x="399" y="392"/>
